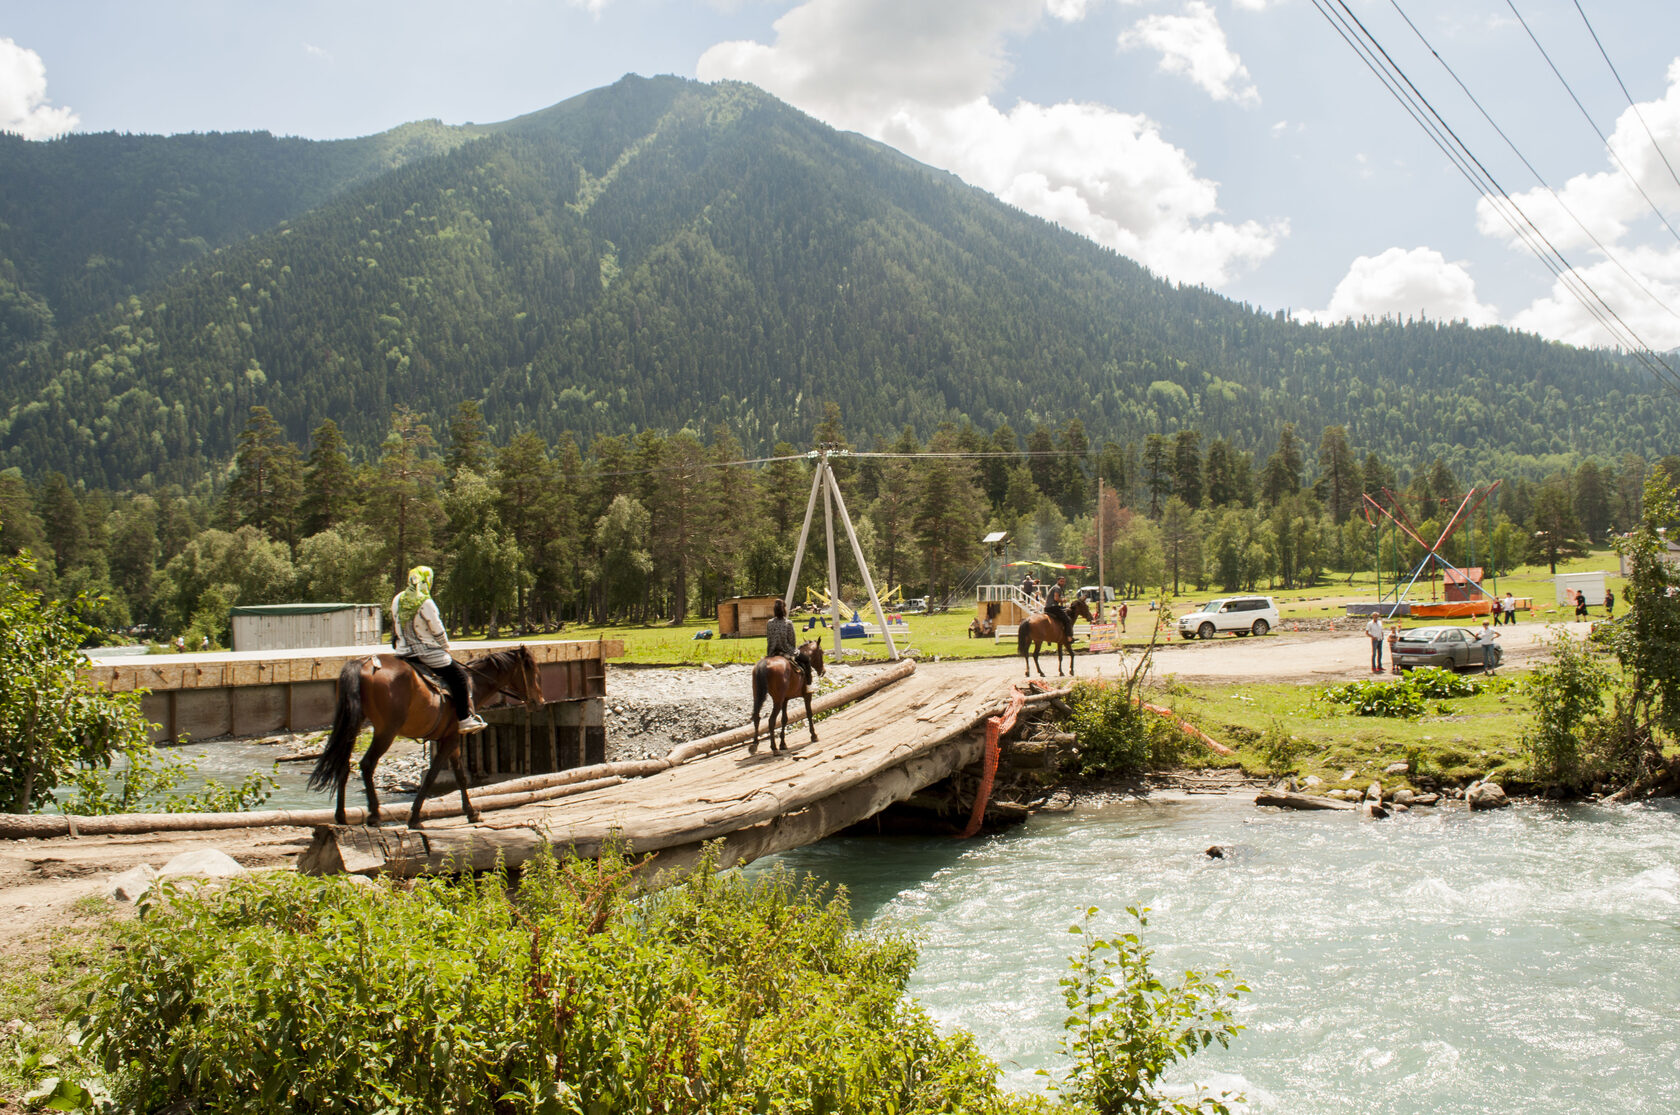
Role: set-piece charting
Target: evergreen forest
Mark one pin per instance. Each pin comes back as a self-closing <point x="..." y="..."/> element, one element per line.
<point x="241" y="369"/>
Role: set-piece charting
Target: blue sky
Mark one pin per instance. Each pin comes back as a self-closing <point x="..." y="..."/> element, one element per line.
<point x="1234" y="143"/>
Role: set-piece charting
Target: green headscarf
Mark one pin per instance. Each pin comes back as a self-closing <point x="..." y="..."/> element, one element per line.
<point x="415" y="596"/>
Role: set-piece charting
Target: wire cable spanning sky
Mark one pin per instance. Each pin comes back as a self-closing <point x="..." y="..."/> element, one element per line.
<point x="1237" y="144"/>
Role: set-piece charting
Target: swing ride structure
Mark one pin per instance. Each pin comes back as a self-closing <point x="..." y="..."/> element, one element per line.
<point x="1399" y="522"/>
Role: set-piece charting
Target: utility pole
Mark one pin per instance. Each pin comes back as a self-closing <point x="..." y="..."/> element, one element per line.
<point x="1102" y="581"/>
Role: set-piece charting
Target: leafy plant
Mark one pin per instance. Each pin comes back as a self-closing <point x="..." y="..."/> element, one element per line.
<point x="1376" y="698"/>
<point x="1127" y="1029"/>
<point x="50" y="722"/>
<point x="566" y="994"/>
<point x="1280" y="750"/>
<point x="1437" y="683"/>
<point x="145" y="781"/>
<point x="1567" y="695"/>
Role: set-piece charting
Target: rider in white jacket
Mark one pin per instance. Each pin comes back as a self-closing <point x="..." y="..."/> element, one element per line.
<point x="419" y="634"/>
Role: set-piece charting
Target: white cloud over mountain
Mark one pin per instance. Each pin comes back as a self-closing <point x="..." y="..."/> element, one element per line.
<point x="921" y="77"/>
<point x="1406" y="283"/>
<point x="23" y="96"/>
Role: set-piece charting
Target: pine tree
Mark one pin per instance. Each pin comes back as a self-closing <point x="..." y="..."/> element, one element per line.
<point x="1282" y="474"/>
<point x="1187" y="467"/>
<point x="266" y="484"/>
<point x="1339" y="479"/>
<point x="330" y="491"/>
<point x="469" y="440"/>
<point x="403" y="504"/>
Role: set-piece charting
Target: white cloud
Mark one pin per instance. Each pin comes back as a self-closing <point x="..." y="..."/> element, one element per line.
<point x="1406" y="284"/>
<point x="23" y="96"/>
<point x="320" y="54"/>
<point x="919" y="76"/>
<point x="1611" y="207"/>
<point x="1194" y="45"/>
<point x="593" y="7"/>
<point x="1251" y="5"/>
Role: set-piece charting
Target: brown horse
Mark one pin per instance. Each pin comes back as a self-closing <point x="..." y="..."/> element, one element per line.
<point x="779" y="679"/>
<point x="385" y="691"/>
<point x="1041" y="629"/>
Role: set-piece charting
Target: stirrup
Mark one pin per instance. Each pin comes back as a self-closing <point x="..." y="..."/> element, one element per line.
<point x="473" y="723"/>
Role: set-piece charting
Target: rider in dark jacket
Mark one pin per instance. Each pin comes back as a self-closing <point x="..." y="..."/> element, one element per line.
<point x="1054" y="606"/>
<point x="779" y="638"/>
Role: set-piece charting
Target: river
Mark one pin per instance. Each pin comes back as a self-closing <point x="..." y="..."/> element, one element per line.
<point x="1520" y="961"/>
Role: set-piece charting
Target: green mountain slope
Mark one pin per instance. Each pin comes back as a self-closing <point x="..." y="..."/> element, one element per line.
<point x="662" y="253"/>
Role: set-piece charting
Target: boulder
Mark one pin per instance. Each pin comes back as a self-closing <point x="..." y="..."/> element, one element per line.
<point x="1400" y="807"/>
<point x="1347" y="775"/>
<point x="208" y="863"/>
<point x="1219" y="851"/>
<point x="1486" y="795"/>
<point x="1298" y="801"/>
<point x="1312" y="780"/>
<point x="1397" y="768"/>
<point x="131" y="884"/>
<point x="1375" y="810"/>
<point x="1427" y="799"/>
<point x="1374" y="792"/>
<point x="1405" y="797"/>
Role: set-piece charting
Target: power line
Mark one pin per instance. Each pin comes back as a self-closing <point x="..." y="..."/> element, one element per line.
<point x="1631" y="103"/>
<point x="1395" y="80"/>
<point x="1608" y="254"/>
<point x="1594" y="124"/>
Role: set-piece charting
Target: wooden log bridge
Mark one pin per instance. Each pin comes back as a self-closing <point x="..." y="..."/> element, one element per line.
<point x="912" y="733"/>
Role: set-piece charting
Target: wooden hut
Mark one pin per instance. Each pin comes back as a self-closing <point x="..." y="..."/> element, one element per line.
<point x="305" y="626"/>
<point x="1464" y="584"/>
<point x="744" y="617"/>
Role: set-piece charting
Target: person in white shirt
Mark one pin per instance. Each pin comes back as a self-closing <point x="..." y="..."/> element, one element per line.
<point x="1510" y="609"/>
<point x="418" y="633"/>
<point x="1484" y="639"/>
<point x="1375" y="631"/>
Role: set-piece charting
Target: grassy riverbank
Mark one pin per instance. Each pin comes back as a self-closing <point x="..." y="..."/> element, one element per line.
<point x="945" y="635"/>
<point x="1285" y="728"/>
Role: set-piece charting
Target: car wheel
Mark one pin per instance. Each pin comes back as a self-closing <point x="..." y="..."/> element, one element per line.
<point x="1205" y="631"/>
<point x="1261" y="627"/>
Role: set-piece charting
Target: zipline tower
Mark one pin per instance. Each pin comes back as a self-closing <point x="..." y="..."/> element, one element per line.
<point x="825" y="483"/>
<point x="1398" y="519"/>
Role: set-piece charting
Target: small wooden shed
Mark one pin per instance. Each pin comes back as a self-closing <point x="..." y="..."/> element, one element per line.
<point x="1456" y="588"/>
<point x="305" y="626"/>
<point x="744" y="617"/>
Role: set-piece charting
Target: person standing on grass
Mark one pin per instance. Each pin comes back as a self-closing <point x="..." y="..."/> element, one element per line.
<point x="1484" y="639"/>
<point x="1580" y="604"/>
<point x="1375" y="631"/>
<point x="1510" y="609"/>
<point x="1609" y="604"/>
<point x="1122" y="611"/>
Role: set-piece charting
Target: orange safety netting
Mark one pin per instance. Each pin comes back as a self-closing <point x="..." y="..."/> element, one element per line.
<point x="996" y="726"/>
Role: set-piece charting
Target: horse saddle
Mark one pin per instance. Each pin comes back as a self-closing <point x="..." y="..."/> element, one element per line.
<point x="429" y="677"/>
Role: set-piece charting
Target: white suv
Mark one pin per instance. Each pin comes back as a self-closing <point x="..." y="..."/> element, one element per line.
<point x="1240" y="615"/>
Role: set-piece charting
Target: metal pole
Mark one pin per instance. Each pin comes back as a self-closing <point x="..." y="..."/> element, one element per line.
<point x="804" y="532"/>
<point x="833" y="566"/>
<point x="863" y="567"/>
<point x="1101" y="580"/>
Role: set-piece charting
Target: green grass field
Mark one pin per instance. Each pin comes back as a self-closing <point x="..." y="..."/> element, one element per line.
<point x="945" y="635"/>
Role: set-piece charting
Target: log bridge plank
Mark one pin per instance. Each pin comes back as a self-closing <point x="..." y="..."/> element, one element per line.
<point x="879" y="751"/>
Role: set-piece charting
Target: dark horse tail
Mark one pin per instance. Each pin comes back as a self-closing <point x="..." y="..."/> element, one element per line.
<point x="333" y="766"/>
<point x="761" y="684"/>
<point x="1023" y="636"/>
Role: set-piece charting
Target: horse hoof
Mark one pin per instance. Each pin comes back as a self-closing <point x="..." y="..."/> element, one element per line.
<point x="474" y="818"/>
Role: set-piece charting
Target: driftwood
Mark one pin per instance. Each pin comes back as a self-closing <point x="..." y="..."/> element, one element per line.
<point x="1286" y="800"/>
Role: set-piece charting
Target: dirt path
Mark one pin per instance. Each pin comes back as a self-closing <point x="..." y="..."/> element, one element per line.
<point x="40" y="878"/>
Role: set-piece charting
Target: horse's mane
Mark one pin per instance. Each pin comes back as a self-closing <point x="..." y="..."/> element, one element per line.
<point x="505" y="661"/>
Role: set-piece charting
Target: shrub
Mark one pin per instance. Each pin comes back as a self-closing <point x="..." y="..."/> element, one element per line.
<point x="1568" y="698"/>
<point x="1280" y="750"/>
<point x="1376" y="698"/>
<point x="568" y="995"/>
<point x="1127" y="1029"/>
<point x="1115" y="736"/>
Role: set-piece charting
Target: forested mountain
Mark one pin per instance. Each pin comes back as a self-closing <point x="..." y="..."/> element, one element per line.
<point x="664" y="254"/>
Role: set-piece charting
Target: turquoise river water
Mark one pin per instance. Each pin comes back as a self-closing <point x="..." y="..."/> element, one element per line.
<point x="1520" y="961"/>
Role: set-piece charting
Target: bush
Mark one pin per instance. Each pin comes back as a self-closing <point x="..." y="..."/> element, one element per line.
<point x="1376" y="698"/>
<point x="290" y="994"/>
<point x="1115" y="736"/>
<point x="1568" y="698"/>
<point x="1127" y="1029"/>
<point x="1280" y="750"/>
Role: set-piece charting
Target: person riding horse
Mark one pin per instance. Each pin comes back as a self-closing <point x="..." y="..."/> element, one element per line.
<point x="419" y="636"/>
<point x="1053" y="606"/>
<point x="779" y="638"/>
